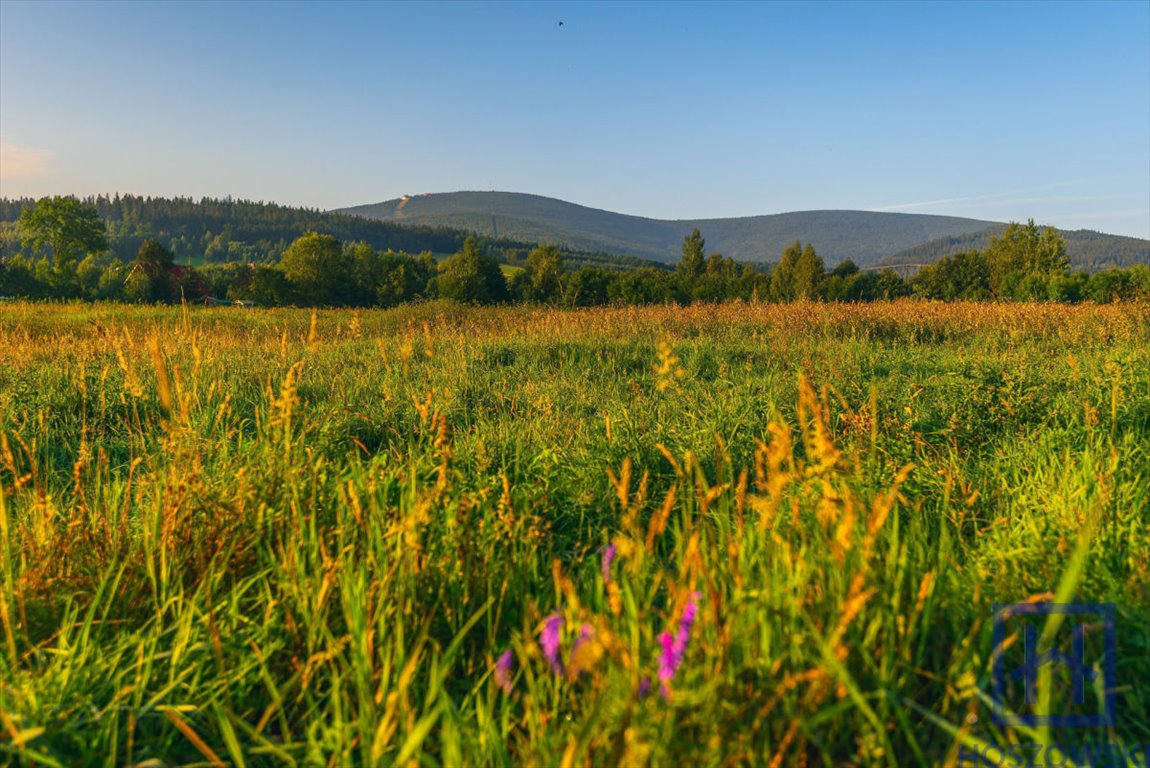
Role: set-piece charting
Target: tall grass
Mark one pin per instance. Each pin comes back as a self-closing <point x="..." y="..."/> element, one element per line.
<point x="285" y="537"/>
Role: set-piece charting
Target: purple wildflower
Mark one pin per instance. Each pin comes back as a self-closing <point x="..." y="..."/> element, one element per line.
<point x="608" y="556"/>
<point x="644" y="688"/>
<point x="669" y="658"/>
<point x="674" y="647"/>
<point x="549" y="639"/>
<point x="503" y="671"/>
<point x="689" y="611"/>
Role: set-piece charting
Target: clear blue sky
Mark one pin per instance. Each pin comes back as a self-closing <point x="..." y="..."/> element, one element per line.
<point x="989" y="110"/>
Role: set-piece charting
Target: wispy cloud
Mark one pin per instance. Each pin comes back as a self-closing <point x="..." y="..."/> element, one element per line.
<point x="18" y="161"/>
<point x="1013" y="197"/>
<point x="932" y="203"/>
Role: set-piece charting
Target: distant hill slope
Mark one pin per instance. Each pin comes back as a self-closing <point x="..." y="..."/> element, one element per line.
<point x="1093" y="251"/>
<point x="223" y="230"/>
<point x="863" y="236"/>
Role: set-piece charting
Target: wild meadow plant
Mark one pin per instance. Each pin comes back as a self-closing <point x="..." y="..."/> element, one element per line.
<point x="745" y="534"/>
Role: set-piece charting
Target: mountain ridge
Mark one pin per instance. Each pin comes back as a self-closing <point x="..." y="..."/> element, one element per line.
<point x="837" y="234"/>
<point x="869" y="238"/>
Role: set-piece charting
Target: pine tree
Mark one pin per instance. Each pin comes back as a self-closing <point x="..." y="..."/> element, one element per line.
<point x="783" y="276"/>
<point x="808" y="274"/>
<point x="692" y="264"/>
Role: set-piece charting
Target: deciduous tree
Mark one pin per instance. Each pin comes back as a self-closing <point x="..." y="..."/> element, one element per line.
<point x="318" y="270"/>
<point x="1024" y="250"/>
<point x="545" y="273"/>
<point x="70" y="228"/>
<point x="472" y="276"/>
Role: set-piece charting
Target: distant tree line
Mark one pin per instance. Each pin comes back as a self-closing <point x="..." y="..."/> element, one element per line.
<point x="1092" y="251"/>
<point x="213" y="230"/>
<point x="1026" y="263"/>
<point x="318" y="269"/>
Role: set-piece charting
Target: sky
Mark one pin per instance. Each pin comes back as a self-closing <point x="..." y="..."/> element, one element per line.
<point x="1000" y="111"/>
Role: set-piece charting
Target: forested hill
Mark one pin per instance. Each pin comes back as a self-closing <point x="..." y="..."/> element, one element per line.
<point x="863" y="236"/>
<point x="222" y="230"/>
<point x="226" y="230"/>
<point x="1087" y="249"/>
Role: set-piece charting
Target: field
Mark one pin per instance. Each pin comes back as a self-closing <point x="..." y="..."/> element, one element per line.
<point x="437" y="535"/>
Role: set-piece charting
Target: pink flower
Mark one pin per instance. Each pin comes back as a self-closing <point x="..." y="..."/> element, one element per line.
<point x="503" y="669"/>
<point x="689" y="611"/>
<point x="674" y="647"/>
<point x="549" y="640"/>
<point x="608" y="556"/>
<point x="669" y="658"/>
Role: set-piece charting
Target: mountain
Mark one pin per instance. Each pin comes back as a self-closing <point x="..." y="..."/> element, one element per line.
<point x="863" y="236"/>
<point x="1087" y="249"/>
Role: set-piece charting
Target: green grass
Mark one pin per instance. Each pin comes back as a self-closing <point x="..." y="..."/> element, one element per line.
<point x="268" y="537"/>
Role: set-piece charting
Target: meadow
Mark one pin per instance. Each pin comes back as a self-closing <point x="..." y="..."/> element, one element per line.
<point x="747" y="534"/>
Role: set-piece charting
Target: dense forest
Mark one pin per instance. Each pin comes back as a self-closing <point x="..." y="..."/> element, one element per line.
<point x="68" y="253"/>
<point x="219" y="231"/>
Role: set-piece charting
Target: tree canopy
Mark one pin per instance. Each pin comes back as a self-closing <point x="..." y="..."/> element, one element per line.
<point x="472" y="276"/>
<point x="1021" y="250"/>
<point x="545" y="273"/>
<point x="70" y="228"/>
<point x="317" y="267"/>
<point x="691" y="265"/>
<point x="799" y="274"/>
